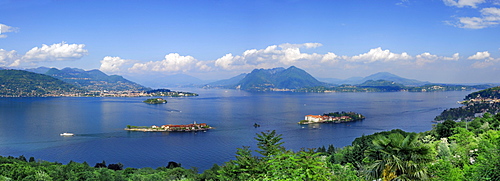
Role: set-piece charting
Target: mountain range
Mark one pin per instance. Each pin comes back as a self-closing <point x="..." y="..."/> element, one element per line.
<point x="377" y="76"/>
<point x="92" y="80"/>
<point x="296" y="78"/>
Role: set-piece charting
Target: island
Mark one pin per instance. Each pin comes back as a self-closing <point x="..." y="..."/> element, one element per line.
<point x="155" y="101"/>
<point x="335" y="117"/>
<point x="171" y="128"/>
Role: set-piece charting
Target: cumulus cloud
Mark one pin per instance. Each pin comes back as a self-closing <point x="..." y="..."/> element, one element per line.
<point x="486" y="57"/>
<point x="455" y="57"/>
<point x="8" y="58"/>
<point x="6" y="29"/>
<point x="55" y="52"/>
<point x="274" y="55"/>
<point x="377" y="54"/>
<point x="489" y="17"/>
<point x="173" y="62"/>
<point x="479" y="56"/>
<point x="290" y="54"/>
<point x="112" y="64"/>
<point x="463" y="3"/>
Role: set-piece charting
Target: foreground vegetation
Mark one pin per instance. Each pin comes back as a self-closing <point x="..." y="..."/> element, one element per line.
<point x="450" y="151"/>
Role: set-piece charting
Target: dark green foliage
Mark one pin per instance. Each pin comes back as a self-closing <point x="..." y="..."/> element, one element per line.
<point x="155" y="101"/>
<point x="445" y="129"/>
<point x="398" y="157"/>
<point x="491" y="93"/>
<point x="354" y="116"/>
<point x="269" y="143"/>
<point x="468" y="111"/>
<point x="19" y="83"/>
<point x="276" y="163"/>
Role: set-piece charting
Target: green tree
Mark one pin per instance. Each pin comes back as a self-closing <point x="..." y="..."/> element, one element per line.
<point x="269" y="143"/>
<point x="445" y="129"/>
<point x="398" y="157"/>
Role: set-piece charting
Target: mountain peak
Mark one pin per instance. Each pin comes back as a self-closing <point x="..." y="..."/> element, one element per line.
<point x="278" y="78"/>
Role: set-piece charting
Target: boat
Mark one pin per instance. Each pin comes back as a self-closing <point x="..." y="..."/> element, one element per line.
<point x="67" y="134"/>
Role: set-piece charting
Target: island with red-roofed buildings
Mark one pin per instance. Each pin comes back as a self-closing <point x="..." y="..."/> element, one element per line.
<point x="171" y="127"/>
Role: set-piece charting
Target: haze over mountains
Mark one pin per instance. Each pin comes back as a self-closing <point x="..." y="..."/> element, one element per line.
<point x="275" y="79"/>
<point x="295" y="78"/>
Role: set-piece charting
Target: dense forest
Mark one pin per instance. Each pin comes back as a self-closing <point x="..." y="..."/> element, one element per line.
<point x="19" y="83"/>
<point x="450" y="151"/>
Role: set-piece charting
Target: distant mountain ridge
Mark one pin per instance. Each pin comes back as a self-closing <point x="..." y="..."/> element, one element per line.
<point x="377" y="76"/>
<point x="270" y="79"/>
<point x="92" y="80"/>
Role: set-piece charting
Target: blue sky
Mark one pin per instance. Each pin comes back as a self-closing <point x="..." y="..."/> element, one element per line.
<point x="448" y="41"/>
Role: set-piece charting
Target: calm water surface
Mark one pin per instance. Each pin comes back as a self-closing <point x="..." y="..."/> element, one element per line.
<point x="31" y="126"/>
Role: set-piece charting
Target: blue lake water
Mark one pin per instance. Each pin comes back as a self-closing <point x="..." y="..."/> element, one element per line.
<point x="31" y="126"/>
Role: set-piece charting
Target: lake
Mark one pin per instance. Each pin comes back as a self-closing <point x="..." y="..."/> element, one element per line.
<point x="31" y="126"/>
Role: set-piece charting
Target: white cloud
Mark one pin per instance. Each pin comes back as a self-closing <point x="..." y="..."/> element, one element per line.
<point x="425" y="58"/>
<point x="479" y="56"/>
<point x="489" y="17"/>
<point x="272" y="56"/>
<point x="377" y="54"/>
<point x="112" y="64"/>
<point x="173" y="62"/>
<point x="6" y="29"/>
<point x="455" y="57"/>
<point x="8" y="58"/>
<point x="55" y="52"/>
<point x="463" y="3"/>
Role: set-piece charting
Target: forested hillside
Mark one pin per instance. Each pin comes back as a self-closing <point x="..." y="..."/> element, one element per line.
<point x="474" y="104"/>
<point x="95" y="80"/>
<point x="19" y="83"/>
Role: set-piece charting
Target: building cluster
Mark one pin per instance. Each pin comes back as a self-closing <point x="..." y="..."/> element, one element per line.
<point x="325" y="118"/>
<point x="173" y="127"/>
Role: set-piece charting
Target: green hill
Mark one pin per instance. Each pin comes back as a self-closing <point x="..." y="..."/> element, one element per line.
<point x="491" y="93"/>
<point x="95" y="80"/>
<point x="19" y="83"/>
<point x="278" y="78"/>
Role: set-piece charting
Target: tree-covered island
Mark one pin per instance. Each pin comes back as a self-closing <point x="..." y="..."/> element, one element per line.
<point x="335" y="117"/>
<point x="155" y="101"/>
<point x="171" y="128"/>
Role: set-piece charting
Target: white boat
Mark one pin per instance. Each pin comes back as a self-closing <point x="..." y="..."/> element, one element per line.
<point x="67" y="134"/>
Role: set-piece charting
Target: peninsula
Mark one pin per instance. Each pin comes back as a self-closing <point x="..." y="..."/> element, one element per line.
<point x="335" y="117"/>
<point x="170" y="128"/>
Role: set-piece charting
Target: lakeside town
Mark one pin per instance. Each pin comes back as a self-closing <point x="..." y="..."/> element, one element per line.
<point x="170" y="128"/>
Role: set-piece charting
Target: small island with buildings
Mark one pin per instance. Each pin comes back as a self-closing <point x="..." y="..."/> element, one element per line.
<point x="335" y="117"/>
<point x="171" y="128"/>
